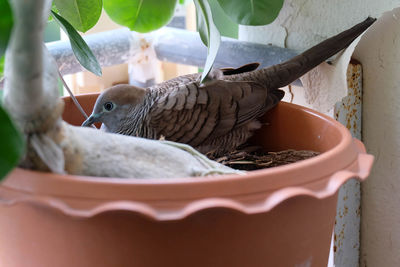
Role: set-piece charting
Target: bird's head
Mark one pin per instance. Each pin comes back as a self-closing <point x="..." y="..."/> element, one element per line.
<point x="114" y="104"/>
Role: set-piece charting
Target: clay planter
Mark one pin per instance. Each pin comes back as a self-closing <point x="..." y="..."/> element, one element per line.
<point x="282" y="216"/>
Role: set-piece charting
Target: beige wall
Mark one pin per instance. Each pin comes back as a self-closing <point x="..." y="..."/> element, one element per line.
<point x="303" y="23"/>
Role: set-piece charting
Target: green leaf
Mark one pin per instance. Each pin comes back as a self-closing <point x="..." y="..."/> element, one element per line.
<point x="6" y="23"/>
<point x="81" y="50"/>
<point x="82" y="14"/>
<point x="201" y="24"/>
<point x="2" y="67"/>
<point x="224" y="23"/>
<point x="53" y="8"/>
<point x="252" y="12"/>
<point x="140" y="15"/>
<point x="11" y="143"/>
<point x="209" y="34"/>
<point x="182" y="2"/>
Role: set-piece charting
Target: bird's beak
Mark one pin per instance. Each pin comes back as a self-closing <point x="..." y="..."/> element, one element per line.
<point x="89" y="121"/>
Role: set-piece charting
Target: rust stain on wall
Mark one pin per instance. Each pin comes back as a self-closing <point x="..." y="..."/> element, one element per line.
<point x="347" y="226"/>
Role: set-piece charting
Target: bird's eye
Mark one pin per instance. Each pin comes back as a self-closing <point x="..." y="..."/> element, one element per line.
<point x="108" y="106"/>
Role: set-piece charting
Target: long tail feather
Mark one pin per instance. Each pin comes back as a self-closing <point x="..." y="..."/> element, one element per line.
<point x="285" y="73"/>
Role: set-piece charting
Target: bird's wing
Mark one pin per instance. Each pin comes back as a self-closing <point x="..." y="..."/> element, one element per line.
<point x="191" y="113"/>
<point x="188" y="78"/>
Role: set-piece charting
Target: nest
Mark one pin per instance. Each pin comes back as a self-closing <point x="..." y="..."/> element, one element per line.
<point x="254" y="158"/>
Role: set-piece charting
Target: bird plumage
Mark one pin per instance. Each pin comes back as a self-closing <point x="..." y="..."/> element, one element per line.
<point x="215" y="117"/>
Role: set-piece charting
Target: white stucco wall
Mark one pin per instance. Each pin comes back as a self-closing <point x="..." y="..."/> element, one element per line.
<point x="379" y="54"/>
<point x="303" y="23"/>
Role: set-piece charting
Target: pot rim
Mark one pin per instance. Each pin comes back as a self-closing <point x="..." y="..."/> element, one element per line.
<point x="172" y="211"/>
<point x="154" y="198"/>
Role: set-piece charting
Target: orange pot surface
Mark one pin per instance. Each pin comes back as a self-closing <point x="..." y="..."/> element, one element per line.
<point x="281" y="216"/>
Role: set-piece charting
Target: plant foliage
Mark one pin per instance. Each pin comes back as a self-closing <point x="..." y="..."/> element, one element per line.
<point x="11" y="142"/>
<point x="254" y="12"/>
<point x="81" y="14"/>
<point x="209" y="33"/>
<point x="81" y="50"/>
<point x="148" y="15"/>
<point x="2" y="58"/>
<point x="6" y="22"/>
<point x="140" y="15"/>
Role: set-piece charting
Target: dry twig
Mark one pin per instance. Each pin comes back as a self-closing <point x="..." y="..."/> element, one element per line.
<point x="254" y="158"/>
<point x="78" y="106"/>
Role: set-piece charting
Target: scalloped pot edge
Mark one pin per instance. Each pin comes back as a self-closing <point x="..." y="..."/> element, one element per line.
<point x="359" y="170"/>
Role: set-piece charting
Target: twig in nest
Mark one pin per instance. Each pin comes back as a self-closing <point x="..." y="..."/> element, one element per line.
<point x="253" y="158"/>
<point x="74" y="98"/>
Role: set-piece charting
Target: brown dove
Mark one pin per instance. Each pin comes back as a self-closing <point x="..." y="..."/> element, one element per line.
<point x="214" y="117"/>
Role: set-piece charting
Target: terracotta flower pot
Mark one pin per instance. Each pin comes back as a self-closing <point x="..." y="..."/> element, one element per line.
<point x="282" y="216"/>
